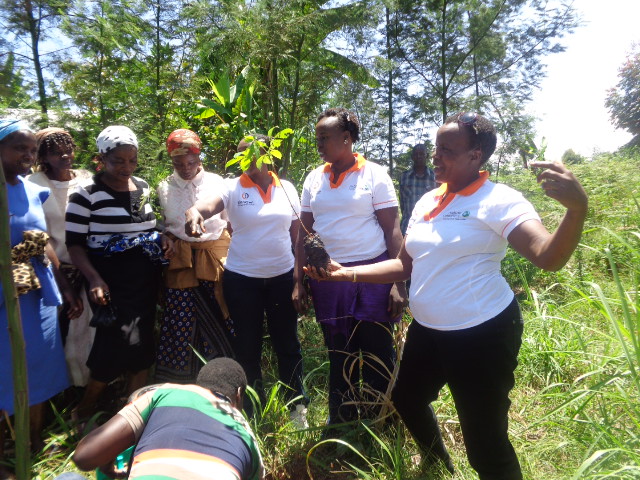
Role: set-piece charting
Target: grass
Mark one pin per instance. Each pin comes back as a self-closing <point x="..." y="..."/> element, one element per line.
<point x="576" y="404"/>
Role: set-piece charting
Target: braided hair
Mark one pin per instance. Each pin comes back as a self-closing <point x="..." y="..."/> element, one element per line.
<point x="347" y="121"/>
<point x="56" y="141"/>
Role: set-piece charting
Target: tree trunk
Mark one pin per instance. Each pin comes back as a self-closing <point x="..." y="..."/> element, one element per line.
<point x="389" y="94"/>
<point x="16" y="339"/>
<point x="34" y="31"/>
<point x="443" y="61"/>
<point x="294" y="107"/>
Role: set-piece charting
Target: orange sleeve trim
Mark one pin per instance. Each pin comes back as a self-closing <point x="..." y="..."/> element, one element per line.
<point x="382" y="203"/>
<point x="510" y="222"/>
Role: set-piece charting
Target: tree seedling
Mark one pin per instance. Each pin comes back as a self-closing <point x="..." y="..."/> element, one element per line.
<point x="264" y="153"/>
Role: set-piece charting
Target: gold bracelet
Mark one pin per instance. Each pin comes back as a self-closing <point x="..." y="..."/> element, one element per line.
<point x="355" y="276"/>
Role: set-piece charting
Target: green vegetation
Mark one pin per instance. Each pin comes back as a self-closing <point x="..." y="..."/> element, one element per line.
<point x="576" y="404"/>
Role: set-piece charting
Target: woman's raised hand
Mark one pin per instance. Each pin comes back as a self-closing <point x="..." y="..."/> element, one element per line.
<point x="559" y="183"/>
<point x="194" y="225"/>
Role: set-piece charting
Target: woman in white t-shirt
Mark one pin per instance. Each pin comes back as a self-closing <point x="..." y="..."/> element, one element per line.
<point x="352" y="205"/>
<point x="258" y="276"/>
<point x="467" y="325"/>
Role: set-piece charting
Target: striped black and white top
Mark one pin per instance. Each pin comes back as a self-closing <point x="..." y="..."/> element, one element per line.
<point x="96" y="212"/>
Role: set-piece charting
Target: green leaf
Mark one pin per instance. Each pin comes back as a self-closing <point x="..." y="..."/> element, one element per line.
<point x="353" y="70"/>
<point x="276" y="153"/>
<point x="207" y="113"/>
<point x="284" y="133"/>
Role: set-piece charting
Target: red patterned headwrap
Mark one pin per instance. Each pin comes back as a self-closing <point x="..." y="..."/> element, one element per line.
<point x="182" y="142"/>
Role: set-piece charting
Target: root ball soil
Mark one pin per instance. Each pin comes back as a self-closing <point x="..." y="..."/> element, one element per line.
<point x="317" y="256"/>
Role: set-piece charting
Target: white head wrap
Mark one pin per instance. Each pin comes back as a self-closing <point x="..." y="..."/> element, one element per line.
<point x="114" y="136"/>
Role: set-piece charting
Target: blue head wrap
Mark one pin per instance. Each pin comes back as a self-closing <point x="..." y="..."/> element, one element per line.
<point x="10" y="125"/>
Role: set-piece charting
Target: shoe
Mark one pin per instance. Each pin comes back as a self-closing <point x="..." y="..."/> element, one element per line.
<point x="299" y="417"/>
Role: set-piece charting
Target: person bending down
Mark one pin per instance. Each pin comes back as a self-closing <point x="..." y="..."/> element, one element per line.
<point x="181" y="431"/>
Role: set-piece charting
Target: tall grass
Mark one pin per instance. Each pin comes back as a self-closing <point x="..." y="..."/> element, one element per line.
<point x="576" y="404"/>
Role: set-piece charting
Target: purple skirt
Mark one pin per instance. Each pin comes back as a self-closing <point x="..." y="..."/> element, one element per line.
<point x="339" y="305"/>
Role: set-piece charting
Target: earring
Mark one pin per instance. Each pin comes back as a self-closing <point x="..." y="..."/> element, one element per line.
<point x="345" y="141"/>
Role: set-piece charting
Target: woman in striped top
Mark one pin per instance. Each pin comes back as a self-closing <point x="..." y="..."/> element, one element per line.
<point x="111" y="237"/>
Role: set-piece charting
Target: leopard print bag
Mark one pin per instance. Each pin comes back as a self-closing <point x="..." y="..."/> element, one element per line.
<point x="32" y="246"/>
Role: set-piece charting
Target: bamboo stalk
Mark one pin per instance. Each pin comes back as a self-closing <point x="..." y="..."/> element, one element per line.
<point x="16" y="337"/>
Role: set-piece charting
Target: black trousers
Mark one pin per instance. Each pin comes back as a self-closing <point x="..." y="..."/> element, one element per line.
<point x="477" y="363"/>
<point x="249" y="300"/>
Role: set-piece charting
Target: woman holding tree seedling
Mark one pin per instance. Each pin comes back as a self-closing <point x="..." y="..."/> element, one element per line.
<point x="467" y="325"/>
<point x="258" y="276"/>
<point x="351" y="205"/>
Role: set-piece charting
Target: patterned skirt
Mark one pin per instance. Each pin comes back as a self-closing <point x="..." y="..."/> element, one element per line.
<point x="192" y="326"/>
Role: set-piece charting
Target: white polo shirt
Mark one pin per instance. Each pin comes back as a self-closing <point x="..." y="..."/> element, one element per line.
<point x="260" y="243"/>
<point x="457" y="243"/>
<point x="344" y="208"/>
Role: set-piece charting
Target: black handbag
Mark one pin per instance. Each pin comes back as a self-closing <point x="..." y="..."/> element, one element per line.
<point x="104" y="316"/>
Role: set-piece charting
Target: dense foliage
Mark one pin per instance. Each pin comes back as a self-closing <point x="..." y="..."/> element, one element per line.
<point x="156" y="65"/>
<point x="623" y="101"/>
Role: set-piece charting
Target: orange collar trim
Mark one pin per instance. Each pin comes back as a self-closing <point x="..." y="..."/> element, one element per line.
<point x="443" y="197"/>
<point x="360" y="161"/>
<point x="247" y="182"/>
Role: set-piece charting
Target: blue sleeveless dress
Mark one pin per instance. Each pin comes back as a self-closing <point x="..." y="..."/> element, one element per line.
<point x="46" y="367"/>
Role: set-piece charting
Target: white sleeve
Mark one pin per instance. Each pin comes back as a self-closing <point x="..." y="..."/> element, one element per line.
<point x="226" y="187"/>
<point x="508" y="210"/>
<point x="384" y="193"/>
<point x="292" y="195"/>
<point x="306" y="192"/>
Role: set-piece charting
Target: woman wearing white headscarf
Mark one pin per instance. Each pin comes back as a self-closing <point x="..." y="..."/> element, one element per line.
<point x="112" y="238"/>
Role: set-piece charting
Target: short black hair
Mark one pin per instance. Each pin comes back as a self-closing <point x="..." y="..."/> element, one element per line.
<point x="482" y="134"/>
<point x="347" y="121"/>
<point x="222" y="375"/>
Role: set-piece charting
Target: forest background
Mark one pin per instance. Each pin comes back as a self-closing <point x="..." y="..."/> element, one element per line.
<point x="226" y="68"/>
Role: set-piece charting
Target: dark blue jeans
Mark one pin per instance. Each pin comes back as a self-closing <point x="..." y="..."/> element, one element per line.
<point x="477" y="363"/>
<point x="248" y="300"/>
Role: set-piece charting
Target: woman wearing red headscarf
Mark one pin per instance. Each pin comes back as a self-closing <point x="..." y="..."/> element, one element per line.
<point x="195" y="316"/>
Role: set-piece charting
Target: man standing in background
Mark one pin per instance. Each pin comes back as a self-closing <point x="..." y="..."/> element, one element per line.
<point x="414" y="183"/>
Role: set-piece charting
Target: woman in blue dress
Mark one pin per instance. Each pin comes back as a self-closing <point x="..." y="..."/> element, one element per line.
<point x="46" y="367"/>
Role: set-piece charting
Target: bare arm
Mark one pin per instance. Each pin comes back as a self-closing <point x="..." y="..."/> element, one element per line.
<point x="75" y="303"/>
<point x="104" y="444"/>
<point x="551" y="251"/>
<point x="390" y="271"/>
<point x="299" y="295"/>
<point x="390" y="224"/>
<point x="202" y="210"/>
<point x="97" y="286"/>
